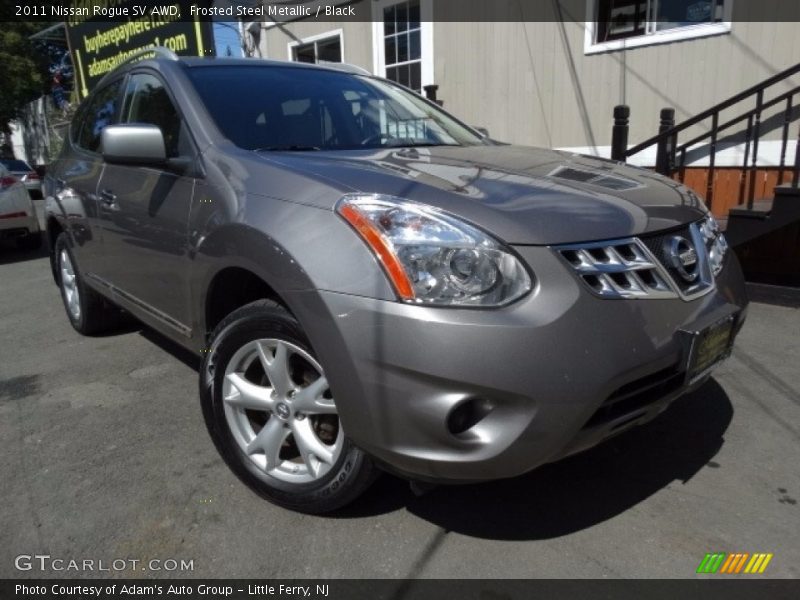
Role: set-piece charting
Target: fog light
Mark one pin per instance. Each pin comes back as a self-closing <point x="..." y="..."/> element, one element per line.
<point x="467" y="414"/>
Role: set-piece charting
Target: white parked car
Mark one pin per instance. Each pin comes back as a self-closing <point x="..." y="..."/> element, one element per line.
<point x="26" y="174"/>
<point x="17" y="215"/>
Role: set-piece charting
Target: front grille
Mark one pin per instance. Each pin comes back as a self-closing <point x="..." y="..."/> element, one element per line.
<point x="642" y="267"/>
<point x="659" y="246"/>
<point x="633" y="397"/>
<point x="620" y="269"/>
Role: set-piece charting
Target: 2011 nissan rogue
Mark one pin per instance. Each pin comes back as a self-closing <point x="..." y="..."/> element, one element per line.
<point x="372" y="283"/>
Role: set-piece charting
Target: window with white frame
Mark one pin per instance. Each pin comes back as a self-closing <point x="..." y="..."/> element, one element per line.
<point x="402" y="37"/>
<point x="326" y="47"/>
<point x="630" y="23"/>
<point x="402" y="43"/>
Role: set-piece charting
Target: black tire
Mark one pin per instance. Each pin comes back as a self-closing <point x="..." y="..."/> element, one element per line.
<point x="348" y="476"/>
<point x="97" y="315"/>
<point x="32" y="241"/>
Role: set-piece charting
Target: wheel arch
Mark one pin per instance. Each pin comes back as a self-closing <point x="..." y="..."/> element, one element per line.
<point x="233" y="287"/>
<point x="237" y="265"/>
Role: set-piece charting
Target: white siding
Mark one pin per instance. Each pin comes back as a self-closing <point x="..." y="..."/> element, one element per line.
<point x="531" y="83"/>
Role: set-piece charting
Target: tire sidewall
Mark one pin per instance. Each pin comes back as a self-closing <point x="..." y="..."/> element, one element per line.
<point x="250" y="324"/>
<point x="62" y="244"/>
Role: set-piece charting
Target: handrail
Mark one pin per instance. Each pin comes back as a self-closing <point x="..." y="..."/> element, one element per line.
<point x="734" y="121"/>
<point x="667" y="137"/>
<point x="759" y="87"/>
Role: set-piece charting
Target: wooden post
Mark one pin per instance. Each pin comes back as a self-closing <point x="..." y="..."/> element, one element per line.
<point x="665" y="156"/>
<point x="619" y="133"/>
<point x="430" y="94"/>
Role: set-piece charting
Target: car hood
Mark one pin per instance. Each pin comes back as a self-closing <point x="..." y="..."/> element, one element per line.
<point x="522" y="195"/>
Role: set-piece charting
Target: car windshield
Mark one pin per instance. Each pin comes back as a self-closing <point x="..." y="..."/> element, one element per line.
<point x="300" y="109"/>
<point x="16" y="165"/>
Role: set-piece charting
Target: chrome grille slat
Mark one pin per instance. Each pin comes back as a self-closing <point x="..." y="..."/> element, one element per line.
<point x="637" y="267"/>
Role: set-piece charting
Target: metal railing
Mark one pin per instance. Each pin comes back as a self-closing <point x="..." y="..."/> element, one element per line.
<point x="671" y="157"/>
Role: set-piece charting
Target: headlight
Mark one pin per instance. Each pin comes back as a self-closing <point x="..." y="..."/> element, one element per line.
<point x="715" y="242"/>
<point x="433" y="258"/>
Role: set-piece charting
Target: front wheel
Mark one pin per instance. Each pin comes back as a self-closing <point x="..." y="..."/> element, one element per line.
<point x="269" y="409"/>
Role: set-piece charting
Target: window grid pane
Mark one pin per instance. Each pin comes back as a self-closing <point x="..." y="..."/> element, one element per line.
<point x="403" y="44"/>
<point x="327" y="49"/>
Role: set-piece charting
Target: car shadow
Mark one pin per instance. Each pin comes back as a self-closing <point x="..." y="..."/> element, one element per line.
<point x="188" y="358"/>
<point x="127" y="324"/>
<point x="577" y="492"/>
<point x="9" y="253"/>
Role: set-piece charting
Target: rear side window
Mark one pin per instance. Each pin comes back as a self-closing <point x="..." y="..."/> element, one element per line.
<point x="100" y="111"/>
<point x="147" y="101"/>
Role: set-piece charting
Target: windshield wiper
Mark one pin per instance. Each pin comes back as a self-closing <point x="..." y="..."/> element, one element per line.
<point x="291" y="148"/>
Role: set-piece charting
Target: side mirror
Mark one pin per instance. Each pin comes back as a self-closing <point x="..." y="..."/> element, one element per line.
<point x="482" y="130"/>
<point x="133" y="144"/>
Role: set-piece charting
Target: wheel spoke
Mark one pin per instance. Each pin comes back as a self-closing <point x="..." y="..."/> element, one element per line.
<point x="70" y="285"/>
<point x="291" y="408"/>
<point x="269" y="441"/>
<point x="310" y="399"/>
<point x="277" y="367"/>
<point x="248" y="395"/>
<point x="310" y="445"/>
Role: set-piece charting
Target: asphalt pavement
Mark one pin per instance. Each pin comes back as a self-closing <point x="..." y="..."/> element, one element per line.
<point x="105" y="458"/>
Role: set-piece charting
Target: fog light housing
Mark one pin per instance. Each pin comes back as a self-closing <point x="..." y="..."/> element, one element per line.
<point x="466" y="414"/>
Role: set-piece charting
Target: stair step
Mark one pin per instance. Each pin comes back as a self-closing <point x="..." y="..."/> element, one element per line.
<point x="774" y="294"/>
<point x="761" y="210"/>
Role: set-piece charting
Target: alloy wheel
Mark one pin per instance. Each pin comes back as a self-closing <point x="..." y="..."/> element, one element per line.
<point x="69" y="284"/>
<point x="280" y="411"/>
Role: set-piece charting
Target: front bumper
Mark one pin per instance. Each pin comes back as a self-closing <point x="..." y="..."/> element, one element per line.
<point x="553" y="374"/>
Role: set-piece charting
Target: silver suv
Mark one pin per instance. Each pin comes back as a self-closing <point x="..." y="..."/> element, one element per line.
<point x="373" y="284"/>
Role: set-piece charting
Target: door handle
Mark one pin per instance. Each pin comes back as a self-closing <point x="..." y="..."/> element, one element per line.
<point x="107" y="197"/>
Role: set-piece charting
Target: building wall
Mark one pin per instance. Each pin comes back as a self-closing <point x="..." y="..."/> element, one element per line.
<point x="546" y="91"/>
<point x="529" y="80"/>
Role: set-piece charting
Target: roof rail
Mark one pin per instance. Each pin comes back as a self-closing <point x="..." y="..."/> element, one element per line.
<point x="346" y="67"/>
<point x="159" y="51"/>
